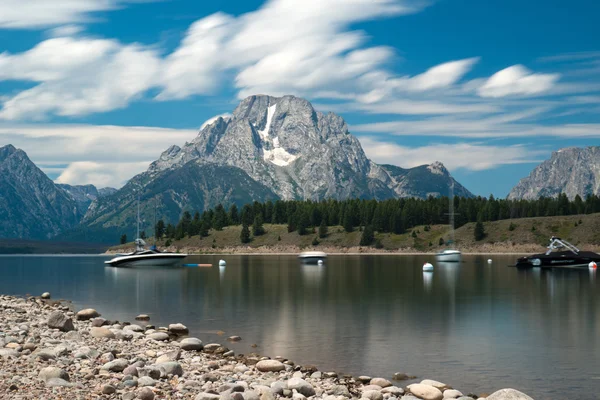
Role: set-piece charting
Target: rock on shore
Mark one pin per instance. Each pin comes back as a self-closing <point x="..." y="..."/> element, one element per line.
<point x="45" y="354"/>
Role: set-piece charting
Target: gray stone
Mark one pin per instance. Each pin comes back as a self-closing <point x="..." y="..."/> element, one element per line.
<point x="145" y="394"/>
<point x="159" y="336"/>
<point x="341" y="390"/>
<point x="57" y="382"/>
<point x="251" y="395"/>
<point x="190" y="344"/>
<point x="87" y="352"/>
<point x="364" y="379"/>
<point x="438" y="385"/>
<point x="108" y="389"/>
<point x="8" y="353"/>
<point x="508" y="394"/>
<point x="425" y="392"/>
<point x="87" y="314"/>
<point x="73" y="336"/>
<point x="170" y="368"/>
<point x="380" y="382"/>
<point x="146" y="381"/>
<point x="143" y="317"/>
<point x="53" y="372"/>
<point x="99" y="332"/>
<point x="98" y="322"/>
<point x="131" y="370"/>
<point x="152" y="372"/>
<point x="133" y="328"/>
<point x="302" y="386"/>
<point x="211" y="347"/>
<point x="128" y="396"/>
<point x="400" y="376"/>
<point x="208" y="396"/>
<point x="117" y="365"/>
<point x="178" y="329"/>
<point x="270" y="366"/>
<point x="130" y="383"/>
<point x="59" y="320"/>
<point x="124" y="335"/>
<point x="45" y="295"/>
<point x="234" y="338"/>
<point x="173" y="355"/>
<point x="452" y="394"/>
<point x="278" y="387"/>
<point x="372" y="395"/>
<point x="393" y="390"/>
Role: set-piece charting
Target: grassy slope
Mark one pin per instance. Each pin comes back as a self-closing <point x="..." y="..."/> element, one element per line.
<point x="499" y="237"/>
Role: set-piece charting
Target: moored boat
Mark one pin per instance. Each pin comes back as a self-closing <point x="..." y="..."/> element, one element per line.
<point x="143" y="257"/>
<point x="312" y="257"/>
<point x="560" y="254"/>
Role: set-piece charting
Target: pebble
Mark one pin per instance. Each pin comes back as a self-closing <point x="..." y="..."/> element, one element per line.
<point x="53" y="372"/>
<point x="380" y="382"/>
<point x="108" y="389"/>
<point x="302" y="386"/>
<point x="159" y="336"/>
<point x="452" y="394"/>
<point x="425" y="392"/>
<point x="99" y="332"/>
<point x="438" y="385"/>
<point x="146" y="381"/>
<point x="145" y="394"/>
<point x="178" y="329"/>
<point x="142" y="317"/>
<point x="45" y="295"/>
<point x="234" y="338"/>
<point x="58" y="320"/>
<point x="270" y="366"/>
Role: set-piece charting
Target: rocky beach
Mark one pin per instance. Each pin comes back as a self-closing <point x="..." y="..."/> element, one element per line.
<point x="50" y="351"/>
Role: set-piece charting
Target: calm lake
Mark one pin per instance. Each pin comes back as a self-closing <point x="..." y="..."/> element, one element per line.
<point x="475" y="326"/>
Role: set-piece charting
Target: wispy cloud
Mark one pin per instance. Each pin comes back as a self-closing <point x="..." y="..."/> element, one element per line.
<point x="468" y="156"/>
<point x="517" y="80"/>
<point x="36" y="14"/>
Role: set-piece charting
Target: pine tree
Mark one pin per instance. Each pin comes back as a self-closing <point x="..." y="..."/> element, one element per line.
<point x="159" y="229"/>
<point x="245" y="234"/>
<point x="441" y="242"/>
<point x="368" y="236"/>
<point x="123" y="238"/>
<point x="220" y="218"/>
<point x="347" y="221"/>
<point x="323" y="229"/>
<point x="315" y="241"/>
<point x="257" y="226"/>
<point x="479" y="232"/>
<point x="234" y="216"/>
<point x="143" y="235"/>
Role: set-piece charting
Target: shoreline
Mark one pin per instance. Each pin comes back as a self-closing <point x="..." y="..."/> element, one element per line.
<point x="48" y="349"/>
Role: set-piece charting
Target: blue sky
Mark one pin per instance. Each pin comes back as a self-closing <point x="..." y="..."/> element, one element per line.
<point x="94" y="90"/>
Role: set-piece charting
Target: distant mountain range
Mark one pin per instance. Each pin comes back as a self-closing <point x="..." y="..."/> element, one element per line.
<point x="573" y="171"/>
<point x="270" y="148"/>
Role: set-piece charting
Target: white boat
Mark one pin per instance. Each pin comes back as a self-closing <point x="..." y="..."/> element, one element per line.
<point x="450" y="254"/>
<point x="143" y="257"/>
<point x="312" y="257"/>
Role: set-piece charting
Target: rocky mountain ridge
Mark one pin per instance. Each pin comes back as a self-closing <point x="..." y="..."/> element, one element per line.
<point x="573" y="171"/>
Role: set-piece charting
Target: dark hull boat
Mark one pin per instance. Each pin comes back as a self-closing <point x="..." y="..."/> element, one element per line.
<point x="570" y="257"/>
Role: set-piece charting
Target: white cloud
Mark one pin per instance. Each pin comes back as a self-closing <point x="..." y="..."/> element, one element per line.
<point x="425" y="107"/>
<point x="100" y="174"/>
<point x="18" y="14"/>
<point x="66" y="30"/>
<point x="267" y="56"/>
<point x="517" y="80"/>
<point x="77" y="76"/>
<point x="474" y="157"/>
<point x="102" y="154"/>
<point x="440" y="76"/>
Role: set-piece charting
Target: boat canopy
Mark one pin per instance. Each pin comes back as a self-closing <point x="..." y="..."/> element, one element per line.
<point x="557" y="243"/>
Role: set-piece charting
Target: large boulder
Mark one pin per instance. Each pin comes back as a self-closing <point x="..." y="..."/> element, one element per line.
<point x="425" y="392"/>
<point x="270" y="366"/>
<point x="508" y="394"/>
<point x="380" y="382"/>
<point x="87" y="314"/>
<point x="301" y="386"/>
<point x="159" y="336"/>
<point x="438" y="385"/>
<point x="53" y="372"/>
<point x="58" y="320"/>
<point x="190" y="344"/>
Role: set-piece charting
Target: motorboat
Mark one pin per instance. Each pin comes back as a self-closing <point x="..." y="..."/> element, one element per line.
<point x="560" y="254"/>
<point x="143" y="257"/>
<point x="312" y="257"/>
<point x="449" y="255"/>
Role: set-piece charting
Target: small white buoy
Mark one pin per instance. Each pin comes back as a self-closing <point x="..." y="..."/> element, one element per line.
<point x="320" y="262"/>
<point x="427" y="267"/>
<point x="222" y="263"/>
<point x="489" y="260"/>
<point x="592" y="265"/>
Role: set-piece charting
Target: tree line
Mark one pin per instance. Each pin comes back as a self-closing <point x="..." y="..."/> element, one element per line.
<point x="388" y="216"/>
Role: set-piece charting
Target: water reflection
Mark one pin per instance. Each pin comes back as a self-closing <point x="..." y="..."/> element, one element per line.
<point x="476" y="326"/>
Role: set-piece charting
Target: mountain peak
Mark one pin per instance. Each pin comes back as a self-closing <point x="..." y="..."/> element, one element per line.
<point x="571" y="170"/>
<point x="437" y="168"/>
<point x="6" y="151"/>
